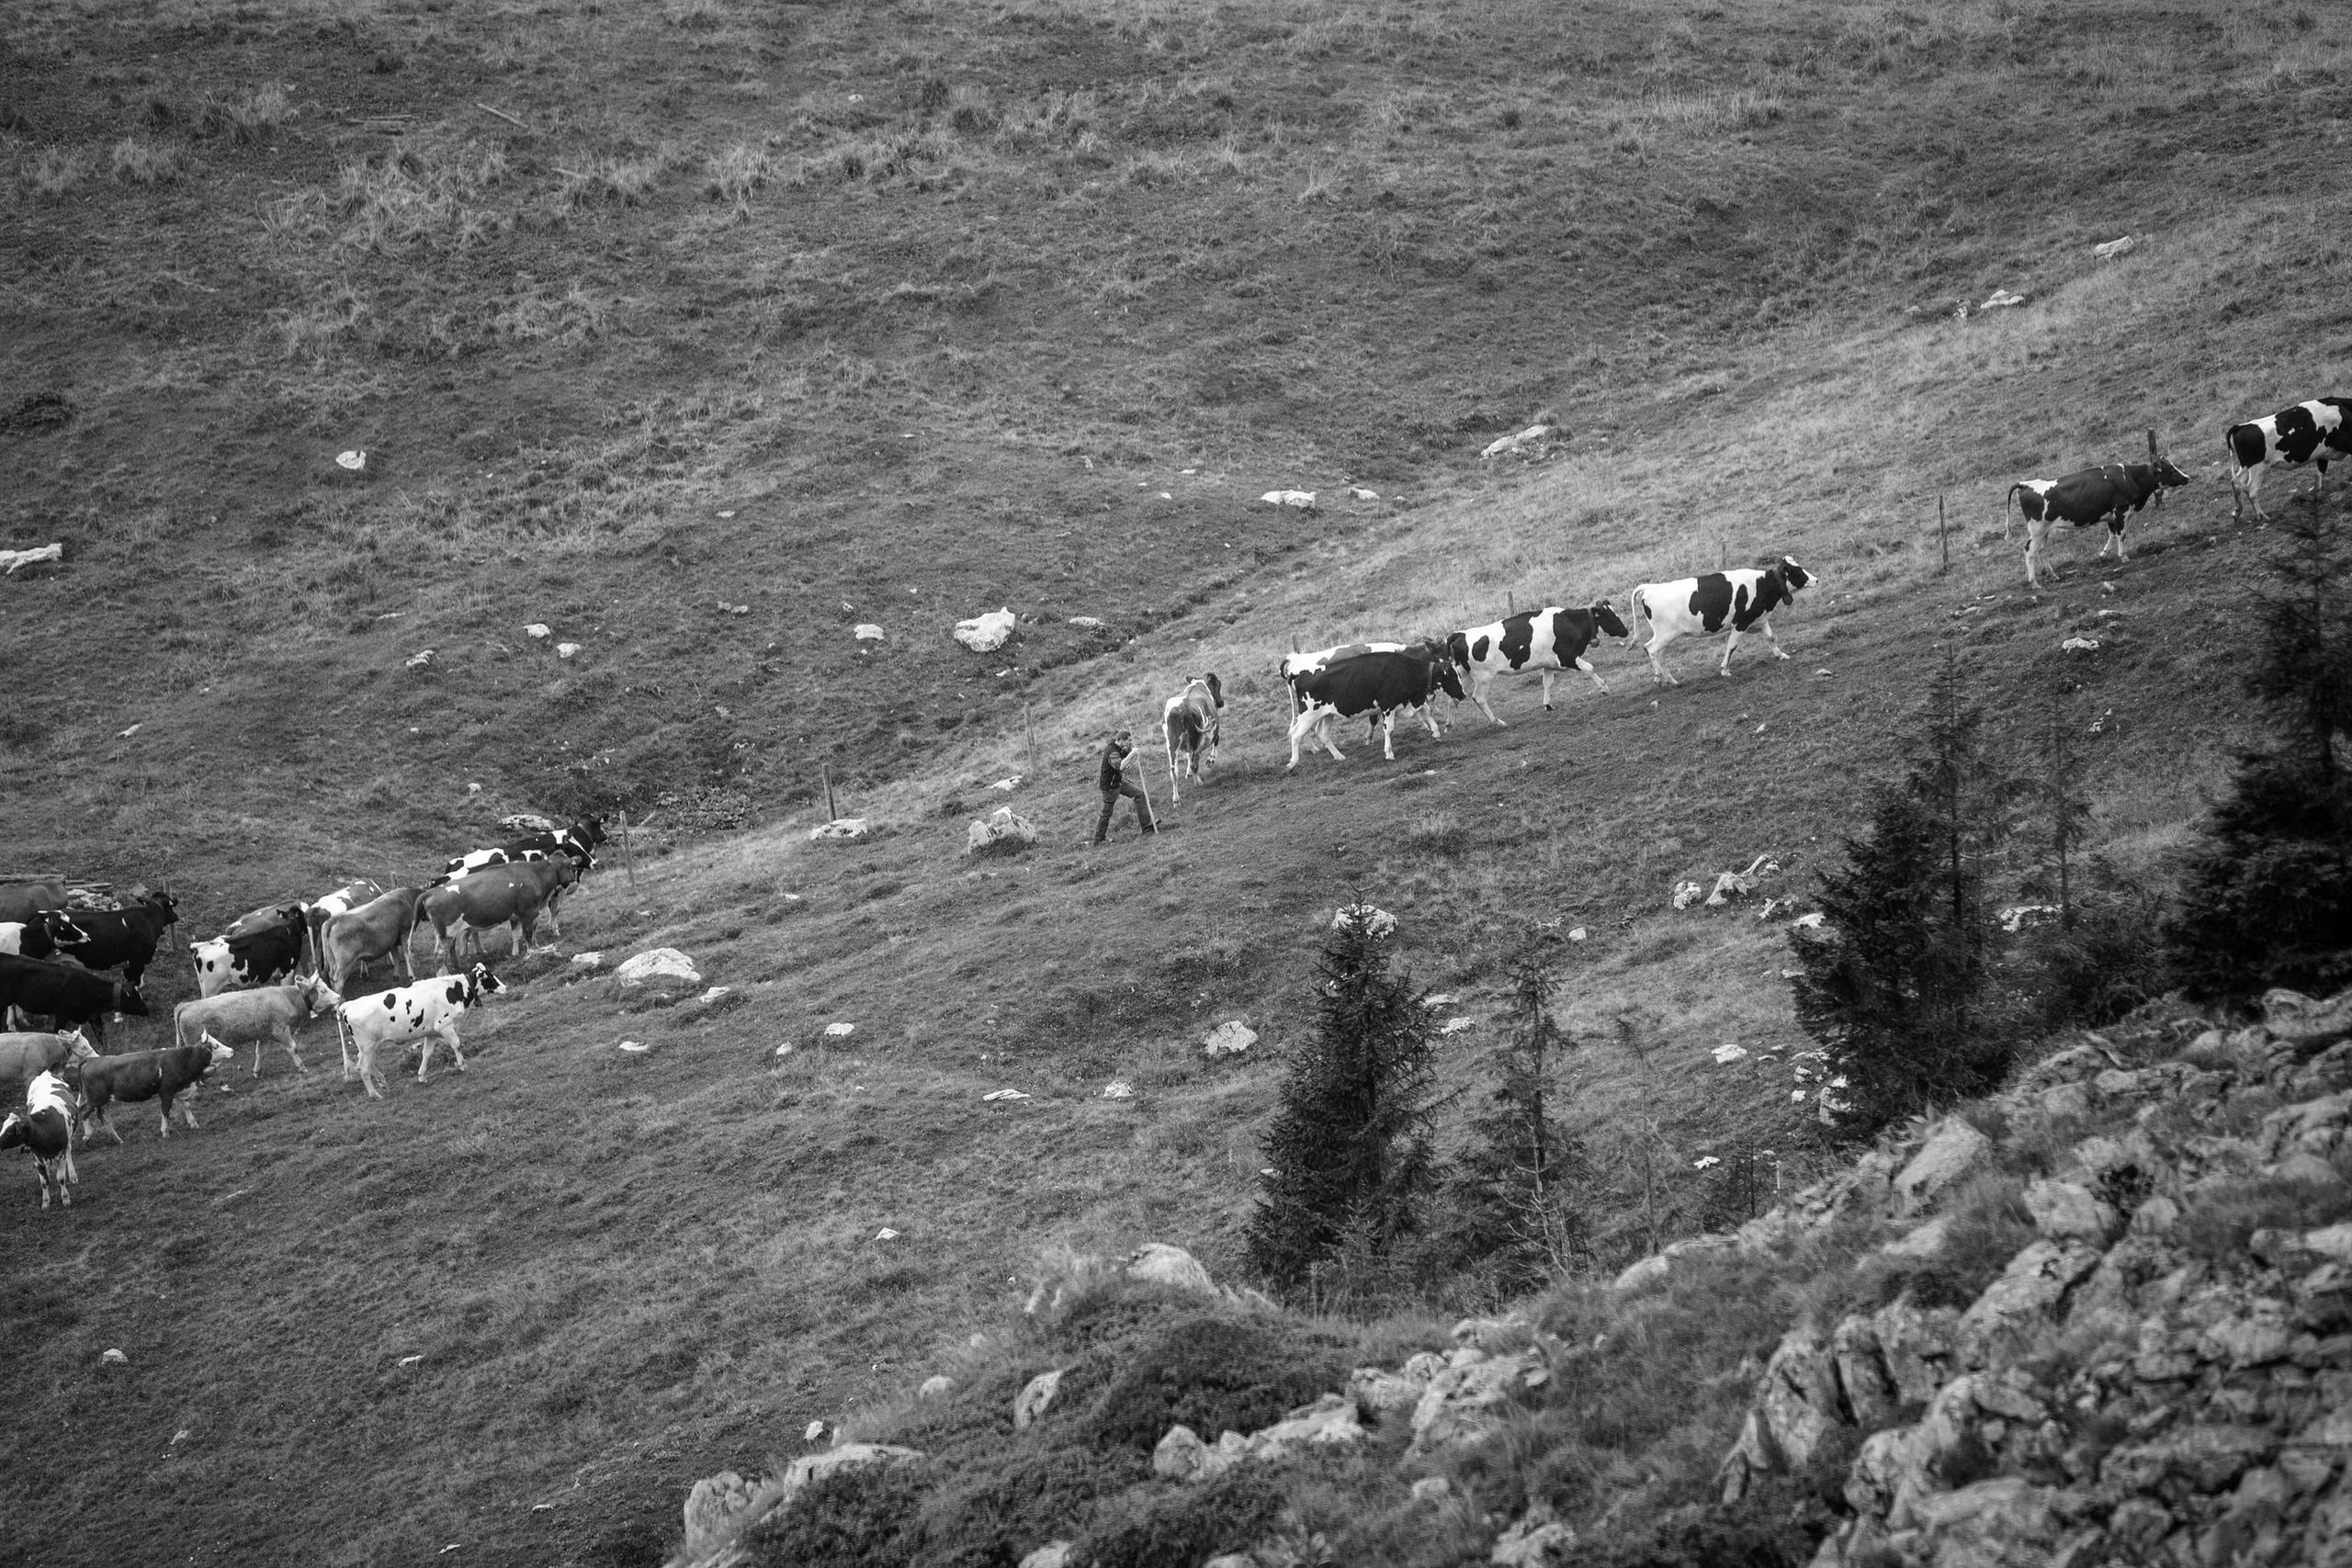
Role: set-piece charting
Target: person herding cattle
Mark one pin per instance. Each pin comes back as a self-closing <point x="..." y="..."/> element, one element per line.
<point x="1111" y="779"/>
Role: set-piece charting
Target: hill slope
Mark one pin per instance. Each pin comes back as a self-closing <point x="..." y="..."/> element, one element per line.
<point x="960" y="339"/>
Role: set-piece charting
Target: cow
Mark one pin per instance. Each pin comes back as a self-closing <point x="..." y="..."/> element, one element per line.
<point x="127" y="936"/>
<point x="257" y="1015"/>
<point x="577" y="843"/>
<point x="24" y="1057"/>
<point x="319" y="911"/>
<point x="2108" y="494"/>
<point x="263" y="919"/>
<point x="65" y="993"/>
<point x="37" y="934"/>
<point x="509" y="895"/>
<point x="1741" y="600"/>
<point x="482" y="859"/>
<point x="2314" y="431"/>
<point x="378" y="929"/>
<point x="21" y="900"/>
<point x="1188" y="721"/>
<point x="1378" y="685"/>
<point x="44" y="1129"/>
<point x="1295" y="665"/>
<point x="1548" y="640"/>
<point x="428" y="1010"/>
<point x="251" y="957"/>
<point x="138" y="1075"/>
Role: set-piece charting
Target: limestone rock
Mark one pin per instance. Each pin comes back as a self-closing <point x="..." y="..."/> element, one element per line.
<point x="1461" y="1401"/>
<point x="842" y="830"/>
<point x="2314" y="1126"/>
<point x="1432" y="1489"/>
<point x="1053" y="1554"/>
<point x="1536" y="1539"/>
<point x="2065" y="1210"/>
<point x="1949" y="1153"/>
<point x="1001" y="832"/>
<point x="1167" y="1265"/>
<point x="936" y="1387"/>
<point x="2017" y="1305"/>
<point x="986" y="633"/>
<point x="716" y="1512"/>
<point x="1229" y="1039"/>
<point x="2295" y="1018"/>
<point x="660" y="964"/>
<point x="1036" y="1397"/>
<point x="1379" y="1395"/>
<point x="1921" y="1241"/>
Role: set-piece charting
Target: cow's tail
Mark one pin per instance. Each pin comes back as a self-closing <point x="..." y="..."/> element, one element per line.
<point x="179" y="1013"/>
<point x="1637" y="613"/>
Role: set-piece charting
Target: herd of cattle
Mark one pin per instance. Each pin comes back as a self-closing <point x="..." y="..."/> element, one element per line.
<point x="1381" y="680"/>
<point x="54" y="961"/>
<point x="56" y="964"/>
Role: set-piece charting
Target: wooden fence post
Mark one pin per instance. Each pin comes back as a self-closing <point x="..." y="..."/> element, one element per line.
<point x="1029" y="730"/>
<point x="826" y="775"/>
<point x="1943" y="537"/>
<point x="2153" y="460"/>
<point x="628" y="854"/>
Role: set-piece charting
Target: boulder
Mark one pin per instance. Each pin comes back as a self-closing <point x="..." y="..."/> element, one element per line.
<point x="1162" y="1264"/>
<point x="1461" y="1401"/>
<point x="1229" y="1039"/>
<point x="1036" y="1396"/>
<point x="986" y="633"/>
<point x="1001" y="832"/>
<point x="841" y="830"/>
<point x="1921" y="1241"/>
<point x="1372" y="921"/>
<point x="2017" y="1307"/>
<point x="1535" y="1539"/>
<point x="938" y="1386"/>
<point x="2314" y="1127"/>
<point x="2064" y="1210"/>
<point x="717" y="1509"/>
<point x="1432" y="1489"/>
<point x="1950" y="1153"/>
<point x="2300" y="1021"/>
<point x="1053" y="1554"/>
<point x="658" y="964"/>
<point x="2204" y="1458"/>
<point x="867" y="631"/>
<point x="1380" y="1394"/>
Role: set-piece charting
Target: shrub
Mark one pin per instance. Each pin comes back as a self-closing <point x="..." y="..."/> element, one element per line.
<point x="1217" y="1374"/>
<point x="1150" y="1527"/>
<point x="856" y="1518"/>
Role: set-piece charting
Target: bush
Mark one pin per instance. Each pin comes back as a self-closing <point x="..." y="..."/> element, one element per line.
<point x="2267" y="898"/>
<point x="2109" y="960"/>
<point x="1215" y="1375"/>
<point x="1150" y="1528"/>
<point x="856" y="1518"/>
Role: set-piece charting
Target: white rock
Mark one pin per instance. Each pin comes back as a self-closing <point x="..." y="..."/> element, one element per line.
<point x="1118" y="1088"/>
<point x="1726" y="1054"/>
<point x="115" y="1359"/>
<point x="419" y="660"/>
<point x="867" y="631"/>
<point x="1360" y="493"/>
<point x="1162" y="1264"/>
<point x="986" y="634"/>
<point x="1007" y="784"/>
<point x="1432" y="1489"/>
<point x="840" y="1031"/>
<point x="2080" y="645"/>
<point x="11" y="560"/>
<point x="1685" y="894"/>
<point x="1528" y="437"/>
<point x="1003" y="1094"/>
<point x="1578" y="933"/>
<point x="1053" y="1555"/>
<point x="1455" y="1025"/>
<point x="936" y="1387"/>
<point x="841" y="830"/>
<point x="1093" y="621"/>
<point x="1439" y="999"/>
<point x="813" y="1433"/>
<point x="538" y="631"/>
<point x="2002" y="300"/>
<point x="354" y="460"/>
<point x="410" y="1360"/>
<point x="1373" y="921"/>
<point x="588" y="960"/>
<point x="566" y="649"/>
<point x="635" y="1048"/>
<point x="785" y="1049"/>
<point x="1035" y="1398"/>
<point x="1001" y="831"/>
<point x="1948" y="1155"/>
<point x="1302" y="499"/>
<point x="658" y="963"/>
<point x="2114" y="248"/>
<point x="713" y="993"/>
<point x="886" y="1233"/>
<point x="1229" y="1039"/>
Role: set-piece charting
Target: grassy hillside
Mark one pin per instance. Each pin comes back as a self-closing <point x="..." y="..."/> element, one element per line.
<point x="897" y="314"/>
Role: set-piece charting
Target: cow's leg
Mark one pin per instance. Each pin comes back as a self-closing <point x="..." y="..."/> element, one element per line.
<point x="2115" y="527"/>
<point x="1777" y="651"/>
<point x="450" y="1034"/>
<point x="424" y="1057"/>
<point x="1547" y="691"/>
<point x="1478" y="684"/>
<point x="1659" y="674"/>
<point x="1175" y="796"/>
<point x="1731" y="641"/>
<point x="1389" y="734"/>
<point x="187" y="1108"/>
<point x="286" y="1034"/>
<point x="1586" y="665"/>
<point x="166" y="1117"/>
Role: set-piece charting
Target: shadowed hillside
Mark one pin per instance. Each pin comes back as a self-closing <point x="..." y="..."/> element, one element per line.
<point x="896" y="314"/>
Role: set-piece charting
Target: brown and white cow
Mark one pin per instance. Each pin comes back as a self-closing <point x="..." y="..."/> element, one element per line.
<point x="1736" y="602"/>
<point x="44" y="1129"/>
<point x="1189" y="723"/>
<point x="270" y="1012"/>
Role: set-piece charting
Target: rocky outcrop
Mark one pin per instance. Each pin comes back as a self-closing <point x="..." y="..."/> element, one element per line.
<point x="2121" y="1392"/>
<point x="722" y="1508"/>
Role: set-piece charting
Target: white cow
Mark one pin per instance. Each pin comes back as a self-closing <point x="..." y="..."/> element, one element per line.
<point x="256" y="1015"/>
<point x="427" y="1010"/>
<point x="1188" y="723"/>
<point x="2314" y="431"/>
<point x="1740" y="600"/>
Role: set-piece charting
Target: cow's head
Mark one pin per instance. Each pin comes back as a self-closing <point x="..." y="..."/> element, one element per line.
<point x="591" y="833"/>
<point x="1457" y="650"/>
<point x="77" y="1045"/>
<point x="128" y="1000"/>
<point x="166" y="905"/>
<point x="217" y="1054"/>
<point x="1604" y="615"/>
<point x="2167" y="476"/>
<point x="63" y="931"/>
<point x="1449" y="680"/>
<point x="1792" y="575"/>
<point x="481" y="982"/>
<point x="316" y="996"/>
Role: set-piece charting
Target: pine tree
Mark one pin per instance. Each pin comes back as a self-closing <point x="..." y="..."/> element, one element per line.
<point x="1895" y="985"/>
<point x="2267" y="897"/>
<point x="1349" y="1147"/>
<point x="1520" y="1172"/>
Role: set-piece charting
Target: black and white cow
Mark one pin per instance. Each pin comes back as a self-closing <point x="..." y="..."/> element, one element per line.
<point x="427" y="1010"/>
<point x="1741" y="600"/>
<point x="1297" y="664"/>
<point x="2108" y="494"/>
<point x="37" y="934"/>
<point x="1377" y="686"/>
<point x="253" y="957"/>
<point x="575" y="843"/>
<point x="2314" y="431"/>
<point x="1188" y="722"/>
<point x="316" y="914"/>
<point x="44" y="1129"/>
<point x="1549" y="639"/>
<point x="111" y="938"/>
